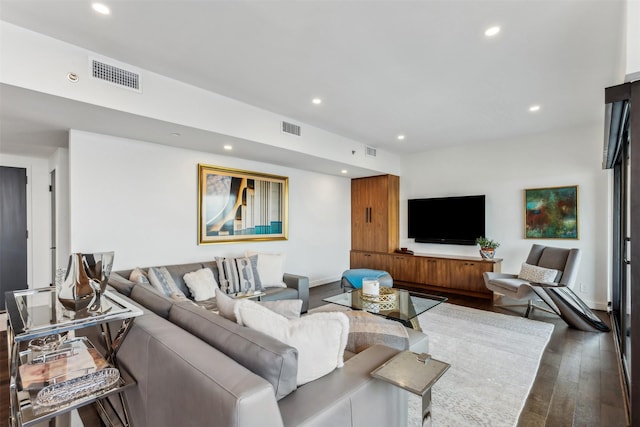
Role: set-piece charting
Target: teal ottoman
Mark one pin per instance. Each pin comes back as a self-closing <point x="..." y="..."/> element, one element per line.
<point x="353" y="278"/>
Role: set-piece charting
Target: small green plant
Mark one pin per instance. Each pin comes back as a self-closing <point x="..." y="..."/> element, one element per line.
<point x="487" y="243"/>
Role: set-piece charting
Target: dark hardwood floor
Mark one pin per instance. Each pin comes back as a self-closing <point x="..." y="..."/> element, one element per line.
<point x="577" y="384"/>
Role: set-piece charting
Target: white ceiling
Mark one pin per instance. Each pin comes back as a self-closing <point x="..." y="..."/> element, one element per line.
<point x="420" y="68"/>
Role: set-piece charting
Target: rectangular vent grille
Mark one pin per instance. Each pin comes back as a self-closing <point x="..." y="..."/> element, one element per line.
<point x="291" y="128"/>
<point x="115" y="75"/>
<point x="371" y="152"/>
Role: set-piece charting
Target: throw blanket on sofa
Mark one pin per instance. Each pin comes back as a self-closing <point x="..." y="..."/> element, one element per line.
<point x="355" y="276"/>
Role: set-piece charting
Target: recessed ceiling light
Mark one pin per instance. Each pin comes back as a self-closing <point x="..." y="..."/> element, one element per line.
<point x="101" y="8"/>
<point x="344" y="171"/>
<point x="228" y="147"/>
<point x="534" y="108"/>
<point x="492" y="31"/>
<point x="401" y="137"/>
<point x="175" y="134"/>
<point x="316" y="101"/>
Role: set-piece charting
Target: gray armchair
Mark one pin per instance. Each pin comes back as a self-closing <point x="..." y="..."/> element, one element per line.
<point x="564" y="260"/>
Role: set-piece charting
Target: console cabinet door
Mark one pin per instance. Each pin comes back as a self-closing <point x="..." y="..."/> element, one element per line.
<point x="467" y="275"/>
<point x="437" y="272"/>
<point x="406" y="268"/>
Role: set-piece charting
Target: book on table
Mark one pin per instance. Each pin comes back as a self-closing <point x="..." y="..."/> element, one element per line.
<point x="73" y="359"/>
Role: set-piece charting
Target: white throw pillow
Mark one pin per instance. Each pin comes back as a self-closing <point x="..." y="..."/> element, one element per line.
<point x="533" y="273"/>
<point x="289" y="308"/>
<point x="320" y="338"/>
<point x="270" y="269"/>
<point x="201" y="283"/>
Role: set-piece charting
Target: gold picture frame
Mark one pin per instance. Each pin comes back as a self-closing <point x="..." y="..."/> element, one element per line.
<point x="551" y="213"/>
<point x="236" y="205"/>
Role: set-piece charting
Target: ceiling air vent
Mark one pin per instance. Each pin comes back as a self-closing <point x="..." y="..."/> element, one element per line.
<point x="370" y="151"/>
<point x="117" y="75"/>
<point x="290" y="128"/>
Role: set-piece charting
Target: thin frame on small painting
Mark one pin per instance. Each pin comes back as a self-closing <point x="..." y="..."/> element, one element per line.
<point x="236" y="205"/>
<point x="551" y="213"/>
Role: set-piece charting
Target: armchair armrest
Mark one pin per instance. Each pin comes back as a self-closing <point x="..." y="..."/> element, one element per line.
<point x="489" y="275"/>
<point x="301" y="284"/>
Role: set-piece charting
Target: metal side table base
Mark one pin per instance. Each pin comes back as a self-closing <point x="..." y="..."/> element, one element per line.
<point x="416" y="373"/>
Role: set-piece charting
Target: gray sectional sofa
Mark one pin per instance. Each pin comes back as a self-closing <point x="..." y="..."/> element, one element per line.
<point x="297" y="286"/>
<point x="196" y="368"/>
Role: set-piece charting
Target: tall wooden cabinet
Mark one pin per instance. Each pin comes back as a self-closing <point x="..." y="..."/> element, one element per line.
<point x="375" y="214"/>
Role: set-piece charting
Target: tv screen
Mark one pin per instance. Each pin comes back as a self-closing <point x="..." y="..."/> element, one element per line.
<point x="447" y="220"/>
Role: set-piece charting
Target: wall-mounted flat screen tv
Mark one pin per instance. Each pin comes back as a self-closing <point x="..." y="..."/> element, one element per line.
<point x="447" y="220"/>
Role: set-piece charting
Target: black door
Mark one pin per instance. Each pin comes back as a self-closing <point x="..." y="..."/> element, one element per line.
<point x="13" y="230"/>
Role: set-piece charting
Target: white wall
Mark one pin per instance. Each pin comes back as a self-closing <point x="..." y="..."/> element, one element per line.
<point x="633" y="39"/>
<point x="502" y="171"/>
<point x="38" y="217"/>
<point x="140" y="200"/>
<point x="60" y="163"/>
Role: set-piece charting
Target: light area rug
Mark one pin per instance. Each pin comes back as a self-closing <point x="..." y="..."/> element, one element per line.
<point x="494" y="360"/>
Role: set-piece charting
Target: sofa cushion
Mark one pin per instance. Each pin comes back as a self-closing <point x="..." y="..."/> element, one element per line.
<point x="122" y="285"/>
<point x="163" y="282"/>
<point x="254" y="268"/>
<point x="349" y="397"/>
<point x="178" y="271"/>
<point x="213" y="265"/>
<point x="269" y="358"/>
<point x="273" y="294"/>
<point x="210" y="304"/>
<point x="320" y="338"/>
<point x="150" y="298"/>
<point x="270" y="268"/>
<point x="228" y="275"/>
<point x="201" y="284"/>
<point x="248" y="274"/>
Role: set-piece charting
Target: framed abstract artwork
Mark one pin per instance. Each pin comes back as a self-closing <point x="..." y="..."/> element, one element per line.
<point x="236" y="205"/>
<point x="551" y="213"/>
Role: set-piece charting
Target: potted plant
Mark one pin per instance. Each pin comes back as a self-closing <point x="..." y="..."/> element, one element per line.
<point x="487" y="247"/>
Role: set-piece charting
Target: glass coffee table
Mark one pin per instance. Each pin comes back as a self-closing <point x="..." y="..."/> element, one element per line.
<point x="395" y="304"/>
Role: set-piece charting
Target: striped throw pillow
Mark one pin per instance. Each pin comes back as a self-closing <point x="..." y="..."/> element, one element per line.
<point x="161" y="279"/>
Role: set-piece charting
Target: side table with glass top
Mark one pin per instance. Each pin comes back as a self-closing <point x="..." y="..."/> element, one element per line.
<point x="35" y="321"/>
<point x="416" y="373"/>
<point x="257" y="295"/>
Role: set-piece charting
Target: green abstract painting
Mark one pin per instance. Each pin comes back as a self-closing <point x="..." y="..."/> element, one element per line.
<point x="551" y="213"/>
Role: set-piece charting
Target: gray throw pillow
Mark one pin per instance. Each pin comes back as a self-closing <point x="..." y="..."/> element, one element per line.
<point x="162" y="281"/>
<point x="138" y="276"/>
